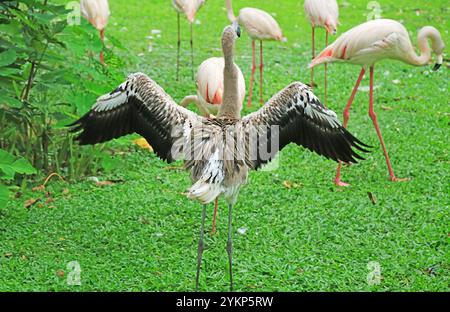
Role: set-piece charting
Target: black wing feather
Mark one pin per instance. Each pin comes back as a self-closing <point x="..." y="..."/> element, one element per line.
<point x="139" y="106"/>
<point x="303" y="120"/>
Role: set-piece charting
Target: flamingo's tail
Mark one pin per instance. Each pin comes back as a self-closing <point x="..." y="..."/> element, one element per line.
<point x="204" y="192"/>
<point x="324" y="57"/>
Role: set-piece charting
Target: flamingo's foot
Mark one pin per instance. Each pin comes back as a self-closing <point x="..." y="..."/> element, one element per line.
<point x="395" y="179"/>
<point x="338" y="182"/>
<point x="213" y="229"/>
<point x="249" y="103"/>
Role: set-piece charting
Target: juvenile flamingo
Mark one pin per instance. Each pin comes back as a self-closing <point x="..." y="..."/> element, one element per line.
<point x="322" y="13"/>
<point x="218" y="152"/>
<point x="97" y="13"/>
<point x="371" y="42"/>
<point x="209" y="80"/>
<point x="188" y="8"/>
<point x="259" y="25"/>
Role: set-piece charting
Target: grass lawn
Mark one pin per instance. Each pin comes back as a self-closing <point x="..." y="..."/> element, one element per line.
<point x="302" y="232"/>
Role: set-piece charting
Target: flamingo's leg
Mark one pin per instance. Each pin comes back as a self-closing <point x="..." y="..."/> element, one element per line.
<point x="102" y="38"/>
<point x="192" y="51"/>
<point x="337" y="179"/>
<point x="201" y="246"/>
<point x="230" y="244"/>
<point x="261" y="67"/>
<point x="373" y="116"/>
<point x="252" y="77"/>
<point x="178" y="48"/>
<point x="326" y="67"/>
<point x="216" y="206"/>
<point x="313" y="57"/>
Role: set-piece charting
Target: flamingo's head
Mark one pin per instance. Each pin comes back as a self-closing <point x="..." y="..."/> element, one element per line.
<point x="438" y="47"/>
<point x="437" y="44"/>
<point x="237" y="28"/>
<point x="331" y="26"/>
<point x="231" y="32"/>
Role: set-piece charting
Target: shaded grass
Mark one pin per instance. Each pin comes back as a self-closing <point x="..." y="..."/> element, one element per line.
<point x="141" y="234"/>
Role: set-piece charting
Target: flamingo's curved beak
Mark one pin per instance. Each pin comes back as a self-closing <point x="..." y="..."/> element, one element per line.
<point x="437" y="66"/>
<point x="330" y="27"/>
<point x="439" y="62"/>
<point x="237" y="28"/>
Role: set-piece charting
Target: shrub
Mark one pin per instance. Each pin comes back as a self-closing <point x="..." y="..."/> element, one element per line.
<point x="50" y="75"/>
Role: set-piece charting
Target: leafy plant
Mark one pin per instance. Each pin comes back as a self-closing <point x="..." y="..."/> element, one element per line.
<point x="49" y="75"/>
<point x="9" y="167"/>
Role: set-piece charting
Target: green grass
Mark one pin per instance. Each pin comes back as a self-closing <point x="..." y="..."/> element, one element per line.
<point x="141" y="234"/>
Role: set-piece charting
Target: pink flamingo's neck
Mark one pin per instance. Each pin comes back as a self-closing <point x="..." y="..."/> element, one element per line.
<point x="424" y="47"/>
<point x="230" y="12"/>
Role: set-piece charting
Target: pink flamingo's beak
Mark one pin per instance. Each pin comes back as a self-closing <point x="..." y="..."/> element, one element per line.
<point x="330" y="29"/>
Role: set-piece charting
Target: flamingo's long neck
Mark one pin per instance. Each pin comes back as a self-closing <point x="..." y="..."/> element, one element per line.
<point x="230" y="104"/>
<point x="230" y="12"/>
<point x="424" y="47"/>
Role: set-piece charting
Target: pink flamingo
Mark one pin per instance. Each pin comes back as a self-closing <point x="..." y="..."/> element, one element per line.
<point x="322" y="13"/>
<point x="260" y="26"/>
<point x="188" y="8"/>
<point x="209" y="80"/>
<point x="97" y="13"/>
<point x="371" y="42"/>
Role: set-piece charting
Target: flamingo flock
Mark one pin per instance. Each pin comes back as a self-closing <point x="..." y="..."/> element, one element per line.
<point x="218" y="146"/>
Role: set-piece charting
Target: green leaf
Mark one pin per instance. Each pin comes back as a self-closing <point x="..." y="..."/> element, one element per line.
<point x="6" y="158"/>
<point x="6" y="172"/>
<point x="4" y="195"/>
<point x="22" y="166"/>
<point x="10" y="101"/>
<point x="108" y="162"/>
<point x="8" y="71"/>
<point x="8" y="57"/>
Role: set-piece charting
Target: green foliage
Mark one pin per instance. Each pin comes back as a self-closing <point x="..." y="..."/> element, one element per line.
<point x="9" y="167"/>
<point x="49" y="75"/>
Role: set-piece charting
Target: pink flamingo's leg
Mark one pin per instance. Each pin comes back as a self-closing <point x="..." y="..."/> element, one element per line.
<point x="178" y="48"/>
<point x="261" y="66"/>
<point x="326" y="66"/>
<point x="192" y="52"/>
<point x="216" y="206"/>
<point x="102" y="38"/>
<point x="337" y="179"/>
<point x="252" y="78"/>
<point x="313" y="57"/>
<point x="373" y="116"/>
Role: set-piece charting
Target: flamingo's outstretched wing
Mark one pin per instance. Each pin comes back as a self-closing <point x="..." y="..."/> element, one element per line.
<point x="139" y="105"/>
<point x="296" y="115"/>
